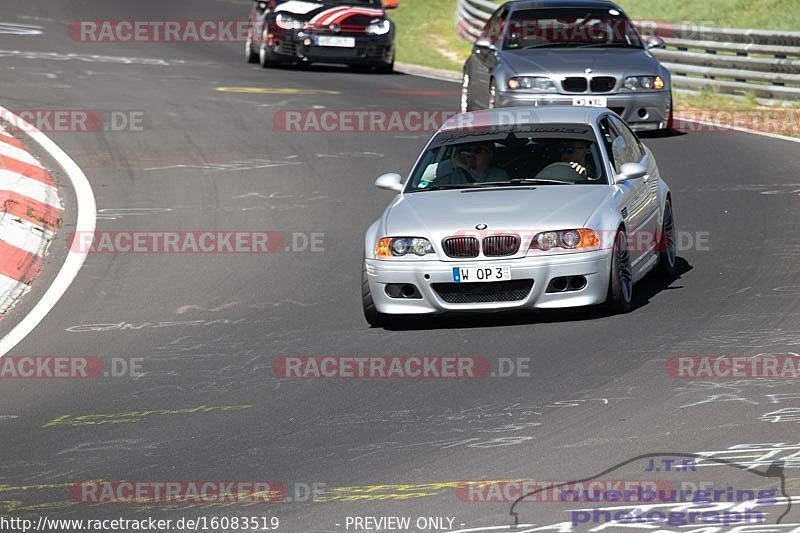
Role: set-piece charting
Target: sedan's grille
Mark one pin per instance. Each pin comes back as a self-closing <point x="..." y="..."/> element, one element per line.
<point x="461" y="246"/>
<point x="500" y="245"/>
<point x="473" y="293"/>
<point x="603" y="84"/>
<point x="575" y="85"/>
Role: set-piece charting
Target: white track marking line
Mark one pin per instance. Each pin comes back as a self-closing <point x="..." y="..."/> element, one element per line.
<point x="33" y="189"/>
<point x="8" y="150"/>
<point x="86" y="222"/>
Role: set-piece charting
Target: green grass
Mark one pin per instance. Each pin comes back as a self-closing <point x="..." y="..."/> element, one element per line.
<point x="707" y="99"/>
<point x="426" y="34"/>
<point x="757" y="14"/>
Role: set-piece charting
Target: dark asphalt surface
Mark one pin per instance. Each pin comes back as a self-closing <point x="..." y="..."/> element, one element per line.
<point x="208" y="327"/>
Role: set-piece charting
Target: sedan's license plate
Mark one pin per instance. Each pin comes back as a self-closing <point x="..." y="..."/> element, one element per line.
<point x="481" y="274"/>
<point x="590" y="101"/>
<point x="340" y="42"/>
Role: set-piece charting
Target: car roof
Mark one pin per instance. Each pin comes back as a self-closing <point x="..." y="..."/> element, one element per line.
<point x="514" y="116"/>
<point x="545" y="4"/>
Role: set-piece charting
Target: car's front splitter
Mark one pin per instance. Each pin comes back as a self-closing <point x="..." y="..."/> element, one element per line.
<point x="427" y="275"/>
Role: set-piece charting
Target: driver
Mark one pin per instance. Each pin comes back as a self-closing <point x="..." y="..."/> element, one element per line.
<point x="474" y="165"/>
<point x="574" y="154"/>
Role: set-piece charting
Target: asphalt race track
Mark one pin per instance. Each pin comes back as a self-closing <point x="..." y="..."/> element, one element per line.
<point x="208" y="327"/>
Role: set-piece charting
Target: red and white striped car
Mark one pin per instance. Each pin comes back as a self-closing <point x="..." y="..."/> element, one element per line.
<point x="352" y="32"/>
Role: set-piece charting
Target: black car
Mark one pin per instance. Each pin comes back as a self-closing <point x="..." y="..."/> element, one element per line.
<point x="351" y="32"/>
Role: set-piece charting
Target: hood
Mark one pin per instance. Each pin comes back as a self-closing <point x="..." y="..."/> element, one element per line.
<point x="522" y="210"/>
<point x="571" y="61"/>
<point x="321" y="15"/>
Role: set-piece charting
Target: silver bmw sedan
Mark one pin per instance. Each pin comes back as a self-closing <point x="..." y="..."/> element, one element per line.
<point x="520" y="208"/>
<point x="568" y="52"/>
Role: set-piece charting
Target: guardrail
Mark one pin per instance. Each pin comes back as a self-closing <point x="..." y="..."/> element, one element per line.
<point x="735" y="61"/>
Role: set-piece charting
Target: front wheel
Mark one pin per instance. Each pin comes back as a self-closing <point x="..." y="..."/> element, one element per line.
<point x="620" y="289"/>
<point x="466" y="106"/>
<point x="249" y="54"/>
<point x="667" y="254"/>
<point x="371" y="314"/>
<point x="264" y="54"/>
<point x="493" y="95"/>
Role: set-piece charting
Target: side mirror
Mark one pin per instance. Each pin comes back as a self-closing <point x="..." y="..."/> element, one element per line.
<point x="390" y="4"/>
<point x="485" y="44"/>
<point x="390" y="182"/>
<point x="654" y="41"/>
<point x="631" y="171"/>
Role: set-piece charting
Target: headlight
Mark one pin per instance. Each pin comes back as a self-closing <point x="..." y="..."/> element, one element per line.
<point x="572" y="239"/>
<point x="400" y="246"/>
<point x="644" y="83"/>
<point x="532" y="83"/>
<point x="380" y="27"/>
<point x="288" y="23"/>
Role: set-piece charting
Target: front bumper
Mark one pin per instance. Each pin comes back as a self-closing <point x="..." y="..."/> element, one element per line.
<point x="298" y="45"/>
<point x="594" y="266"/>
<point x="641" y="110"/>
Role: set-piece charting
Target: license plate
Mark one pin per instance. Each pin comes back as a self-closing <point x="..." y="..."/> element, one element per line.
<point x="590" y="101"/>
<point x="481" y="274"/>
<point x="339" y="42"/>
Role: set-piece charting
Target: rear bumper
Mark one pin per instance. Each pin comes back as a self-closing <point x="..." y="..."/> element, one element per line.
<point x="642" y="111"/>
<point x="299" y="45"/>
<point x="594" y="266"/>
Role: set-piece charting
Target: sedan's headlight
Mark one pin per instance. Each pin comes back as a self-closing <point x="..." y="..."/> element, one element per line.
<point x="644" y="83"/>
<point x="571" y="239"/>
<point x="288" y="23"/>
<point x="379" y="27"/>
<point x="532" y="83"/>
<point x="400" y="246"/>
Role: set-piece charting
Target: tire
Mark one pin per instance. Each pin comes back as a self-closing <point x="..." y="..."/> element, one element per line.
<point x="388" y="68"/>
<point x="667" y="253"/>
<point x="466" y="105"/>
<point x="371" y="314"/>
<point x="249" y="54"/>
<point x="620" y="287"/>
<point x="671" y="118"/>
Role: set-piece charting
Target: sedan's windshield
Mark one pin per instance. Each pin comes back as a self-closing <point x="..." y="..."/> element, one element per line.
<point x="519" y="159"/>
<point x="569" y="27"/>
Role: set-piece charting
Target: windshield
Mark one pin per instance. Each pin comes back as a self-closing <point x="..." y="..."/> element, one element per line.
<point x="516" y="159"/>
<point x="569" y="27"/>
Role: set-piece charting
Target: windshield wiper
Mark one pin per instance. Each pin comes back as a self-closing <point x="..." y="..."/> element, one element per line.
<point x="445" y="187"/>
<point x="542" y="181"/>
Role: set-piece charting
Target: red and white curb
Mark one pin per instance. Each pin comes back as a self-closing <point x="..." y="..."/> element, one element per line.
<point x="30" y="212"/>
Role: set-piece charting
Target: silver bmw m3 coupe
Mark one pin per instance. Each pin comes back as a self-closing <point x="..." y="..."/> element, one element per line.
<point x="568" y="52"/>
<point x="520" y="208"/>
